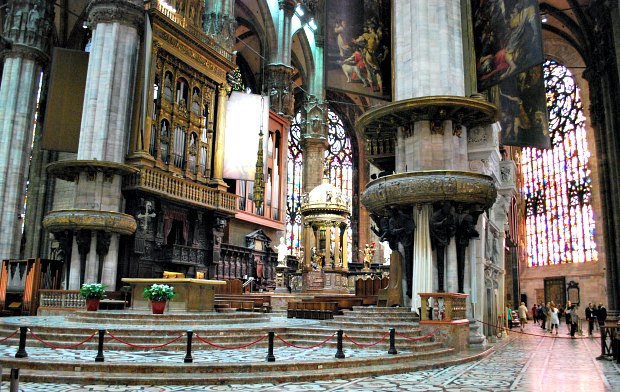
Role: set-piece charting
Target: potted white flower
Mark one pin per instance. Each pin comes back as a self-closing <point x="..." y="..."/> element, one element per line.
<point x="159" y="294"/>
<point x="93" y="293"/>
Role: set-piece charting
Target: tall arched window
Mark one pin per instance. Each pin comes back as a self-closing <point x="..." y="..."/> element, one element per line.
<point x="339" y="162"/>
<point x="556" y="182"/>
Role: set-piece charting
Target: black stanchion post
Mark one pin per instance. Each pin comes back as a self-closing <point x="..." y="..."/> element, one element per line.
<point x="99" y="357"/>
<point x="188" y="354"/>
<point x="339" y="352"/>
<point x="14" y="385"/>
<point x="21" y="351"/>
<point x="270" y="356"/>
<point x="392" y="349"/>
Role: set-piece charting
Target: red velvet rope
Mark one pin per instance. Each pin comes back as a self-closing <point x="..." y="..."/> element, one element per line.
<point x="428" y="335"/>
<point x="229" y="347"/>
<point x="306" y="347"/>
<point x="10" y="336"/>
<point x="385" y="335"/>
<point x="552" y="336"/>
<point x="145" y="347"/>
<point x="54" y="346"/>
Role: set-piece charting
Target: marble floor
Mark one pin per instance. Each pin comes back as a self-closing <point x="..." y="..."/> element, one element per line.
<point x="536" y="362"/>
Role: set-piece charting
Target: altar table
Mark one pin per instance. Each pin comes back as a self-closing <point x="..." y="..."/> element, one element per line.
<point x="192" y="295"/>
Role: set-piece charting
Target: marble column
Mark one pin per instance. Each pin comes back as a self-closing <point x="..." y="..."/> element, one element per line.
<point x="105" y="127"/>
<point x="28" y="27"/>
<point x="280" y="71"/>
<point x="217" y="180"/>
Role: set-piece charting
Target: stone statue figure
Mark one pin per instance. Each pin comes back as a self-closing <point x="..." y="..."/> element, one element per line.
<point x="442" y="229"/>
<point x="400" y="234"/>
<point x="465" y="231"/>
<point x="368" y="253"/>
<point x="282" y="250"/>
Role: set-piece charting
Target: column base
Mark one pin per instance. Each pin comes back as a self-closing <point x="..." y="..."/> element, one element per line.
<point x="218" y="184"/>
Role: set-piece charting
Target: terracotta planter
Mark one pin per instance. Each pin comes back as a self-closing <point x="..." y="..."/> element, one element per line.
<point x="92" y="304"/>
<point x="158" y="306"/>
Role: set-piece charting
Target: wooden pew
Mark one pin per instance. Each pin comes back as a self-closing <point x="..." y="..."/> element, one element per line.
<point x="244" y="302"/>
<point x="312" y="309"/>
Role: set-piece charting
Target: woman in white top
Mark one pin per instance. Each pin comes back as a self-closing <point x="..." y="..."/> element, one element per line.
<point x="555" y="320"/>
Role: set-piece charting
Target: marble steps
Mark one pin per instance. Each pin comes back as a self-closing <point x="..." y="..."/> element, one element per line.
<point x="368" y="325"/>
<point x="139" y="318"/>
<point x="133" y="373"/>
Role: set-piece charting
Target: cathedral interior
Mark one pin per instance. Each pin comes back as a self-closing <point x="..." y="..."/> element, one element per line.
<point x="454" y="149"/>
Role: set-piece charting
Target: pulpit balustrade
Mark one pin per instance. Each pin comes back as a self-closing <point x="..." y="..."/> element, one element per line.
<point x="443" y="306"/>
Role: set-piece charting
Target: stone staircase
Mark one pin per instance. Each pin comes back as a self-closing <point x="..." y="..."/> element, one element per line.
<point x="364" y="326"/>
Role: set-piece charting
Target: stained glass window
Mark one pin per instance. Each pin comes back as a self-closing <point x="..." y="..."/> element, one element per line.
<point x="556" y="182"/>
<point x="338" y="161"/>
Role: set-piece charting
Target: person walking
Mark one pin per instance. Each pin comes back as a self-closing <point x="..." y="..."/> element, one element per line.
<point x="542" y="315"/>
<point x="522" y="315"/>
<point x="601" y="315"/>
<point x="569" y="305"/>
<point x="555" y="319"/>
<point x="590" y="315"/>
<point x="574" y="320"/>
<point x="509" y="316"/>
<point x="535" y="314"/>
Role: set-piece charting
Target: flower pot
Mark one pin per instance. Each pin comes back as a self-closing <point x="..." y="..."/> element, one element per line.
<point x="92" y="304"/>
<point x="158" y="307"/>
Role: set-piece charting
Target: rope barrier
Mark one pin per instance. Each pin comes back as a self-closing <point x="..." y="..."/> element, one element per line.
<point x="65" y="347"/>
<point x="385" y="335"/>
<point x="306" y="347"/>
<point x="230" y="347"/>
<point x="144" y="347"/>
<point x="502" y="328"/>
<point x="10" y="336"/>
<point x="428" y="335"/>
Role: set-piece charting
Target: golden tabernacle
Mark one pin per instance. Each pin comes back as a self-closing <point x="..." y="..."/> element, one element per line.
<point x="192" y="295"/>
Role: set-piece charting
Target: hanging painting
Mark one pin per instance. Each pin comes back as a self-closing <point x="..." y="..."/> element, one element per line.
<point x="507" y="38"/>
<point x="523" y="107"/>
<point x="358" y="56"/>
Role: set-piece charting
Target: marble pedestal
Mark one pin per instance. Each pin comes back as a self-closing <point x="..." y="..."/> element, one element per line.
<point x="326" y="281"/>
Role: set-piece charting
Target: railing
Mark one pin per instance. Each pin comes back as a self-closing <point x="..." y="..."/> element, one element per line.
<point x="181" y="254"/>
<point x="443" y="306"/>
<point x="194" y="31"/>
<point x="180" y="189"/>
<point x="61" y="299"/>
<point x="380" y="147"/>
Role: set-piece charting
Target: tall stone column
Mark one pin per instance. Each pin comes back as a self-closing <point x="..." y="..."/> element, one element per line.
<point x="313" y="143"/>
<point x="280" y="71"/>
<point x="28" y="26"/>
<point x="217" y="180"/>
<point x="108" y="97"/>
<point x="429" y="121"/>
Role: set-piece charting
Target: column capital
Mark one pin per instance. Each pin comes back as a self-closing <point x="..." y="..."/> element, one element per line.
<point x="288" y="6"/>
<point x="127" y="12"/>
<point x="26" y="52"/>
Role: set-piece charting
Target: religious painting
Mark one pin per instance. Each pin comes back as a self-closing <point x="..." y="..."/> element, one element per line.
<point x="358" y="53"/>
<point x="507" y="38"/>
<point x="523" y="105"/>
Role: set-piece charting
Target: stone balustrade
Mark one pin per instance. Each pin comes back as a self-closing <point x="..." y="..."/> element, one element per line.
<point x="67" y="299"/>
<point x="180" y="189"/>
<point x="443" y="306"/>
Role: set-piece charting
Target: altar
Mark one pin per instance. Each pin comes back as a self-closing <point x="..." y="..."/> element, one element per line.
<point x="192" y="295"/>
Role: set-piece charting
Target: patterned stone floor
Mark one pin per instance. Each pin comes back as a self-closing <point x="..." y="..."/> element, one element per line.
<point x="521" y="363"/>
